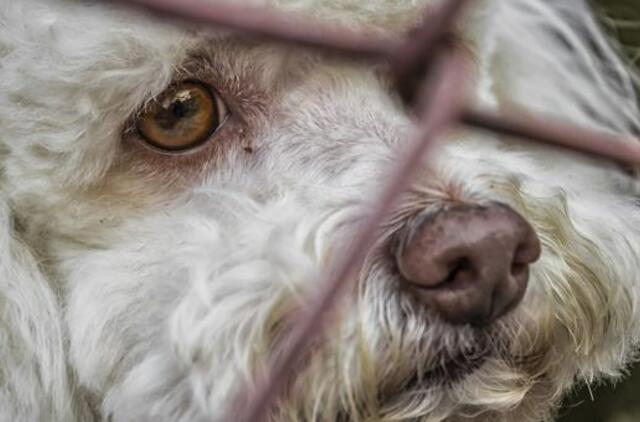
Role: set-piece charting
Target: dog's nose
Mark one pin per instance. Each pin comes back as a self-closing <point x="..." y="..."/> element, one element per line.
<point x="469" y="263"/>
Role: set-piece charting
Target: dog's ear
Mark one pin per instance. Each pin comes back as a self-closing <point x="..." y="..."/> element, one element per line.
<point x="34" y="378"/>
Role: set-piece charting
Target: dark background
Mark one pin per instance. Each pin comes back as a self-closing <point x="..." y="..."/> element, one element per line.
<point x="619" y="403"/>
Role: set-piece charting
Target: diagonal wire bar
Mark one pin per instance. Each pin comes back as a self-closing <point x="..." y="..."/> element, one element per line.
<point x="275" y="26"/>
<point x="440" y="105"/>
<point x="268" y="24"/>
<point x="443" y="99"/>
<point x="546" y="130"/>
<point x="410" y="63"/>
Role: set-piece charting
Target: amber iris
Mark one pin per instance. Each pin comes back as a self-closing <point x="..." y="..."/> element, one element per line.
<point x="183" y="116"/>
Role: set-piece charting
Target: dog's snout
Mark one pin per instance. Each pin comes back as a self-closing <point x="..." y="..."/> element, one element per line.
<point x="469" y="263"/>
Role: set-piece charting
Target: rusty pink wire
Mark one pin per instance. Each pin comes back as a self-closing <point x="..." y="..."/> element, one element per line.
<point x="430" y="76"/>
<point x="443" y="99"/>
<point x="274" y="26"/>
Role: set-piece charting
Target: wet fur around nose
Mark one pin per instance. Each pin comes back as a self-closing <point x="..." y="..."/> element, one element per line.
<point x="139" y="286"/>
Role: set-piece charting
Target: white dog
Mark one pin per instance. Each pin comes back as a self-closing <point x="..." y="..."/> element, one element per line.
<point x="169" y="195"/>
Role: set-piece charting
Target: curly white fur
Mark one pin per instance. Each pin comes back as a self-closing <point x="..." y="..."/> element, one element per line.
<point x="139" y="287"/>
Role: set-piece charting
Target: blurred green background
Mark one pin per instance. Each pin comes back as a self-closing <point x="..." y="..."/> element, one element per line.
<point x="623" y="17"/>
<point x="607" y="403"/>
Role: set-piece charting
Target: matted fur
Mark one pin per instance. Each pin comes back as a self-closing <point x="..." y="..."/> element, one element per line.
<point x="135" y="286"/>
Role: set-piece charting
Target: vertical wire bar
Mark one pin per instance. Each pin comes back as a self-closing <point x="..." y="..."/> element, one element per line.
<point x="443" y="99"/>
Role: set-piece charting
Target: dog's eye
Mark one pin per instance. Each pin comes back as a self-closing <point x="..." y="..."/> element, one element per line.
<point x="182" y="117"/>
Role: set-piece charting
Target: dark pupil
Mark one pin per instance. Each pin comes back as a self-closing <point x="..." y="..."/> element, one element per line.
<point x="180" y="109"/>
<point x="169" y="117"/>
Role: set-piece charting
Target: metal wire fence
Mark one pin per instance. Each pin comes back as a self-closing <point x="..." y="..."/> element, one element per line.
<point x="429" y="73"/>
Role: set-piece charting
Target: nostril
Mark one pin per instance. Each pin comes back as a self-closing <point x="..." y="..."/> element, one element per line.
<point x="457" y="270"/>
<point x="518" y="269"/>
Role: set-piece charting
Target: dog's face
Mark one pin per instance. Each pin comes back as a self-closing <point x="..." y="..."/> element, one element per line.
<point x="184" y="189"/>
